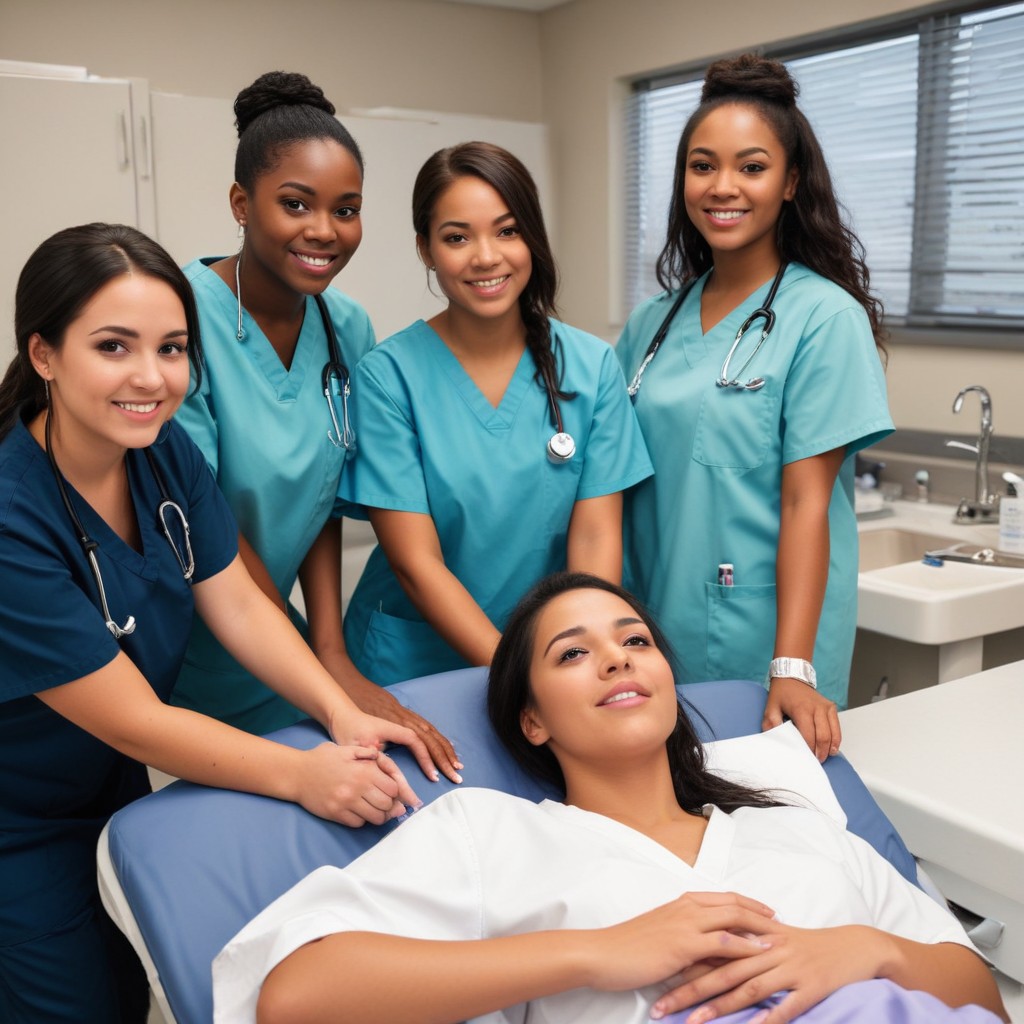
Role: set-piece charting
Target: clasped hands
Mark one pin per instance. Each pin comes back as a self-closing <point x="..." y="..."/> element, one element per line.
<point x="727" y="952"/>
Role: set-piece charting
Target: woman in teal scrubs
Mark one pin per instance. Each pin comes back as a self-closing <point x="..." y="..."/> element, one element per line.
<point x="100" y="580"/>
<point x="260" y="415"/>
<point x="758" y="477"/>
<point x="468" y="503"/>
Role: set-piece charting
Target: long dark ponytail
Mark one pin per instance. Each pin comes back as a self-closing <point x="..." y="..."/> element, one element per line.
<point x="508" y="176"/>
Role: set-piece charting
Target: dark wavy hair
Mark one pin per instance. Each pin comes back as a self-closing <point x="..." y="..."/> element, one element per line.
<point x="278" y="110"/>
<point x="509" y="694"/>
<point x="57" y="282"/>
<point x="508" y="176"/>
<point x="811" y="229"/>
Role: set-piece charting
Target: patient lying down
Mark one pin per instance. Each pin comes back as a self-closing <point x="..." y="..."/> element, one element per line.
<point x="653" y="888"/>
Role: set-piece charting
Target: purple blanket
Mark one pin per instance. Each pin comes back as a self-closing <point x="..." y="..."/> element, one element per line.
<point x="869" y="1002"/>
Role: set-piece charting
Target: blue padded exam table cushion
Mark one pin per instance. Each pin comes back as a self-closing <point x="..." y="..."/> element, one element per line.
<point x="195" y="864"/>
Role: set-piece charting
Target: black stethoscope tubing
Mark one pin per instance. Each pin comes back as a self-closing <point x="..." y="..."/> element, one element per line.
<point x="91" y="546"/>
<point x="343" y="436"/>
<point x="561" y="448"/>
<point x="764" y="312"/>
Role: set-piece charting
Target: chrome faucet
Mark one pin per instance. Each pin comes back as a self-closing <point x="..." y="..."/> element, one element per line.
<point x="985" y="507"/>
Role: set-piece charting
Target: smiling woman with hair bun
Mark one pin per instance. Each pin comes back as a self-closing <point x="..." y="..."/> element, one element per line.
<point x="260" y="415"/>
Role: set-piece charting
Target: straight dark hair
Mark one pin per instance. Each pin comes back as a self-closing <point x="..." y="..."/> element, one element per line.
<point x="509" y="694"/>
<point x="57" y="282"/>
<point x="508" y="176"/>
<point x="811" y="229"/>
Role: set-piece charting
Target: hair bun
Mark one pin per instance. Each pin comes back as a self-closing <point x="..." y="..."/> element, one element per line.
<point x="750" y="75"/>
<point x="277" y="89"/>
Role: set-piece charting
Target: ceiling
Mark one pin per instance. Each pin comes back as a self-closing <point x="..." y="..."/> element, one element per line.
<point x="521" y="5"/>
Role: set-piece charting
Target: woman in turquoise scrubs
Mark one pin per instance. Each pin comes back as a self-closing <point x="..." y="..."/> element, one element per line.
<point x="759" y="477"/>
<point x="469" y="505"/>
<point x="100" y="580"/>
<point x="259" y="414"/>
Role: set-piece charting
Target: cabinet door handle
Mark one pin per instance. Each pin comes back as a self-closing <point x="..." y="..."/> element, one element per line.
<point x="147" y="148"/>
<point x="123" y="160"/>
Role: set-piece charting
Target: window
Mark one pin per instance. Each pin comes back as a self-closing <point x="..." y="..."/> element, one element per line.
<point x="922" y="130"/>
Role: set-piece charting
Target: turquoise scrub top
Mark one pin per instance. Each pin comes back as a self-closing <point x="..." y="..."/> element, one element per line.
<point x="430" y="442"/>
<point x="718" y="455"/>
<point x="263" y="431"/>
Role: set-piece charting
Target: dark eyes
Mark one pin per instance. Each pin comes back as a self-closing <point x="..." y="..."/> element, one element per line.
<point x="575" y="653"/>
<point x="636" y="641"/>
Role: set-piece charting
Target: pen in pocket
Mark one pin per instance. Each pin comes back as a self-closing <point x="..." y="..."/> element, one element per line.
<point x="725" y="575"/>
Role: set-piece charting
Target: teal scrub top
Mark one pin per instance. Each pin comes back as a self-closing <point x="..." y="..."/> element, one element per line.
<point x="430" y="442"/>
<point x="718" y="455"/>
<point x="263" y="430"/>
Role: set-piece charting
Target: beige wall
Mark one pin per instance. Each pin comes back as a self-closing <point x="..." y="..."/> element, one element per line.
<point x="591" y="49"/>
<point x="364" y="53"/>
<point x="568" y="66"/>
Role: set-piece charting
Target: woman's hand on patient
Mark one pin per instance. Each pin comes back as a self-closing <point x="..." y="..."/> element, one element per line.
<point x="815" y="716"/>
<point x="663" y="942"/>
<point x="376" y="700"/>
<point x="355" y="728"/>
<point x="352" y="785"/>
<point x="807" y="963"/>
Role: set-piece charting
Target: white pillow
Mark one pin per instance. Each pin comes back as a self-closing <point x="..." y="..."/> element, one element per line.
<point x="780" y="762"/>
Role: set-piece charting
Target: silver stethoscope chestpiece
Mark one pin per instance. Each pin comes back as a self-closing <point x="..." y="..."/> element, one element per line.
<point x="561" y="447"/>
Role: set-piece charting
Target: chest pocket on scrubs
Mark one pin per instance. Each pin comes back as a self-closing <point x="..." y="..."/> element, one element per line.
<point x="741" y="630"/>
<point x="735" y="427"/>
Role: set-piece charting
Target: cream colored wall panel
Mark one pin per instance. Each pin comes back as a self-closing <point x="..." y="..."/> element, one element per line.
<point x="69" y="159"/>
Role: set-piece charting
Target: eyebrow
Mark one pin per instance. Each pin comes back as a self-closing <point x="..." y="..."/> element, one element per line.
<point x="298" y="186"/>
<point x="580" y="630"/>
<point x="129" y="332"/>
<point x="465" y="225"/>
<point x="740" y="155"/>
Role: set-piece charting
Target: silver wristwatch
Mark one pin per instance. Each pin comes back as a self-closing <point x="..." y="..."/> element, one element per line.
<point x="792" y="668"/>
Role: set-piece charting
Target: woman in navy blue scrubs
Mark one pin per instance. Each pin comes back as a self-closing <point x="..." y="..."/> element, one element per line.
<point x="100" y="577"/>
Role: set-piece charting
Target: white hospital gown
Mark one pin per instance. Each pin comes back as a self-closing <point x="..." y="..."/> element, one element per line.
<point x="479" y="864"/>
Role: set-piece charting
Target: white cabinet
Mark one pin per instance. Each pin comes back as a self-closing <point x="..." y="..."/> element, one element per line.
<point x="75" y="150"/>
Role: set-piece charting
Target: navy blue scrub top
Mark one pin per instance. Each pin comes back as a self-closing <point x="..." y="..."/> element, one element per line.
<point x="59" y="784"/>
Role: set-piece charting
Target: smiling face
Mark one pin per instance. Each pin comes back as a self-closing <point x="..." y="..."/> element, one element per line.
<point x="601" y="690"/>
<point x="121" y="371"/>
<point x="735" y="182"/>
<point x="481" y="260"/>
<point x="302" y="218"/>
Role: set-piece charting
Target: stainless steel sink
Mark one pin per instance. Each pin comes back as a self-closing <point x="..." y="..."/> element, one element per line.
<point x="893" y="546"/>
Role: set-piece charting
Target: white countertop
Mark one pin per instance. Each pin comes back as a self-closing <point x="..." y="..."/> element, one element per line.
<point x="947" y="765"/>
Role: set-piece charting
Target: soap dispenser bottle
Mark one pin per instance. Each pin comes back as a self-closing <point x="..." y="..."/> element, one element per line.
<point x="1011" y="521"/>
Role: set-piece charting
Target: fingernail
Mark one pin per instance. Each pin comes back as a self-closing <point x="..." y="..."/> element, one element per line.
<point x="701" y="1016"/>
<point x="458" y="765"/>
<point x="458" y="777"/>
<point x="764" y="943"/>
<point x="657" y="1012"/>
<point x="434" y="776"/>
<point x="759" y="1018"/>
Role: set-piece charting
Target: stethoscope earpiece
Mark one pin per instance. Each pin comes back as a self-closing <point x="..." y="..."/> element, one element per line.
<point x="561" y="447"/>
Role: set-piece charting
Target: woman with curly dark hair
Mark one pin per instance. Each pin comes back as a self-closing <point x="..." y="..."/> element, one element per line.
<point x="498" y="439"/>
<point x="763" y="383"/>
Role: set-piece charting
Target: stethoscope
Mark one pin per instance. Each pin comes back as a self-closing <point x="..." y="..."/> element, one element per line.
<point x="90" y="546"/>
<point x="561" y="448"/>
<point x="343" y="436"/>
<point x="724" y="380"/>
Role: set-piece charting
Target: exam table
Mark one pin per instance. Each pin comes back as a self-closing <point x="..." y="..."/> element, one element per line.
<point x="182" y="870"/>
